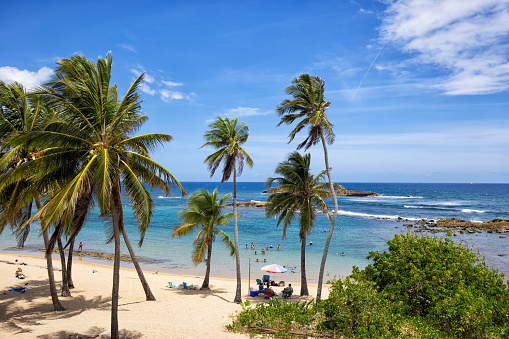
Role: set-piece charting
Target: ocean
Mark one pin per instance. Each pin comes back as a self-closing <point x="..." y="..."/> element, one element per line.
<point x="364" y="224"/>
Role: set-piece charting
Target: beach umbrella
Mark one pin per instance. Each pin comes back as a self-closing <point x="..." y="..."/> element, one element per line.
<point x="274" y="269"/>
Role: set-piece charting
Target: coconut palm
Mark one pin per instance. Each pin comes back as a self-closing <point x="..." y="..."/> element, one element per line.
<point x="204" y="212"/>
<point x="17" y="193"/>
<point x="309" y="105"/>
<point x="298" y="194"/>
<point x="98" y="137"/>
<point x="227" y="136"/>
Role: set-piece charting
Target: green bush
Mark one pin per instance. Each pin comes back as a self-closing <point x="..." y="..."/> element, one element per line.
<point x="356" y="308"/>
<point x="441" y="280"/>
<point x="277" y="317"/>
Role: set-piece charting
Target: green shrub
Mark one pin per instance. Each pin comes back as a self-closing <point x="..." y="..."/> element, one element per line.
<point x="356" y="308"/>
<point x="441" y="280"/>
<point x="278" y="317"/>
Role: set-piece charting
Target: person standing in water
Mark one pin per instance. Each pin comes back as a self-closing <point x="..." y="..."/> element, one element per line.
<point x="80" y="246"/>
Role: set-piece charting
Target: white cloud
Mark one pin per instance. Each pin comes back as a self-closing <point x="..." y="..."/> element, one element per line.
<point x="26" y="78"/>
<point x="467" y="38"/>
<point x="147" y="89"/>
<point x="128" y="47"/>
<point x="167" y="95"/>
<point x="171" y="83"/>
<point x="246" y="111"/>
<point x="157" y="86"/>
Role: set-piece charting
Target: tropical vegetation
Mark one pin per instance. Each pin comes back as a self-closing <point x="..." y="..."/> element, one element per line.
<point x="298" y="194"/>
<point x="204" y="213"/>
<point x="226" y="137"/>
<point x="425" y="287"/>
<point x="309" y="104"/>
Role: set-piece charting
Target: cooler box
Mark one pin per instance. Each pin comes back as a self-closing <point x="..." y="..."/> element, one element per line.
<point x="253" y="293"/>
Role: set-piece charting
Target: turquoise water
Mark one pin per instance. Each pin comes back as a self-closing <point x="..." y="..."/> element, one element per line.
<point x="364" y="224"/>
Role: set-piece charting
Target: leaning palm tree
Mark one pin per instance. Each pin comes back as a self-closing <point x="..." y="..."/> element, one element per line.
<point x="18" y="114"/>
<point x="204" y="213"/>
<point x="227" y="136"/>
<point x="309" y="105"/>
<point x="299" y="193"/>
<point x="98" y="137"/>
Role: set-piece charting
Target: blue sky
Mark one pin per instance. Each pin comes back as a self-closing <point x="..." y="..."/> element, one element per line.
<point x="419" y="89"/>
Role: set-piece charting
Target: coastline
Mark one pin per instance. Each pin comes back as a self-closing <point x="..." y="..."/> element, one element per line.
<point x="176" y="311"/>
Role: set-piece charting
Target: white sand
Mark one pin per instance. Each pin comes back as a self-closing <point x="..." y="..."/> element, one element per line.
<point x="177" y="313"/>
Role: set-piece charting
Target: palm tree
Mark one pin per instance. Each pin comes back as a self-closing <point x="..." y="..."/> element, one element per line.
<point x="227" y="136"/>
<point x="204" y="213"/>
<point x="97" y="137"/>
<point x="17" y="193"/>
<point x="299" y="193"/>
<point x="309" y="105"/>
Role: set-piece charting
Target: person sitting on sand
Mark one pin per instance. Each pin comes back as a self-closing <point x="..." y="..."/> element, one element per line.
<point x="270" y="290"/>
<point x="20" y="274"/>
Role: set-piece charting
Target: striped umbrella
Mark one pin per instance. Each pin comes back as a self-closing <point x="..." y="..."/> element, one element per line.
<point x="274" y="269"/>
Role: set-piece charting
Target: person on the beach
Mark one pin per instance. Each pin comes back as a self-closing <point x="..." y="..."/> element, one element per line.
<point x="256" y="253"/>
<point x="80" y="246"/>
<point x="290" y="287"/>
<point x="246" y="246"/>
<point x="278" y="247"/>
<point x="343" y="253"/>
<point x="19" y="274"/>
<point x="263" y="250"/>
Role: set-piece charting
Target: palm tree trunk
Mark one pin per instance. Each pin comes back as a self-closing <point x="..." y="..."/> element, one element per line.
<point x="148" y="293"/>
<point x="116" y="262"/>
<point x="65" y="284"/>
<point x="205" y="285"/>
<point x="69" y="264"/>
<point x="333" y="220"/>
<point x="57" y="306"/>
<point x="238" y="292"/>
<point x="303" y="278"/>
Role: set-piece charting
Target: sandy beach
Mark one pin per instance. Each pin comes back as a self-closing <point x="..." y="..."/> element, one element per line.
<point x="177" y="313"/>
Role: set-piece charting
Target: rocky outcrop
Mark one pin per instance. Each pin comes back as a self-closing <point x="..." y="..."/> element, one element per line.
<point x="460" y="226"/>
<point x="346" y="193"/>
<point x="257" y="204"/>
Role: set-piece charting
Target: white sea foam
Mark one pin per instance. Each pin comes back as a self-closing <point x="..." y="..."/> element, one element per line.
<point x="163" y="197"/>
<point x="408" y="206"/>
<point x="467" y="210"/>
<point x="372" y="216"/>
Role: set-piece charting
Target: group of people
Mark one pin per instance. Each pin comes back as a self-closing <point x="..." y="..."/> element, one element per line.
<point x="263" y="248"/>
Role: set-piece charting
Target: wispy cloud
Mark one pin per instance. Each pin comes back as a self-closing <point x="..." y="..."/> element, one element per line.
<point x="467" y="38"/>
<point x="246" y="112"/>
<point x="164" y="88"/>
<point x="26" y="78"/>
<point x="128" y="47"/>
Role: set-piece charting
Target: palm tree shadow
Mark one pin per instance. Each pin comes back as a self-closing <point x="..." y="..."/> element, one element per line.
<point x="213" y="292"/>
<point x="93" y="332"/>
<point x="18" y="310"/>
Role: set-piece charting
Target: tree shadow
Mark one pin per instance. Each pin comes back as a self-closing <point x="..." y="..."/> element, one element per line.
<point x="93" y="332"/>
<point x="213" y="292"/>
<point x="18" y="310"/>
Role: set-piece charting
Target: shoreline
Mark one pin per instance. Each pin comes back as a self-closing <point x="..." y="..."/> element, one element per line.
<point x="176" y="311"/>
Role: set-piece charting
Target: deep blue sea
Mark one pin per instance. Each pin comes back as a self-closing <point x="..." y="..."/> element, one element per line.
<point x="363" y="225"/>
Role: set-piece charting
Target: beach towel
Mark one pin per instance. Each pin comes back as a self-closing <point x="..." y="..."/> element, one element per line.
<point x="19" y="289"/>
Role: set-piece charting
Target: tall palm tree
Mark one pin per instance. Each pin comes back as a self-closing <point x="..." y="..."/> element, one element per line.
<point x="227" y="136"/>
<point x="309" y="105"/>
<point x="17" y="193"/>
<point x="98" y="137"/>
<point x="204" y="213"/>
<point x="299" y="193"/>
